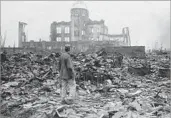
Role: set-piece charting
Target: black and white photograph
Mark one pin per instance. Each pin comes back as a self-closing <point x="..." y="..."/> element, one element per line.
<point x="85" y="59"/>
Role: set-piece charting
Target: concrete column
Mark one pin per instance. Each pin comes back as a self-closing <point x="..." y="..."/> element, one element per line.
<point x="72" y="28"/>
<point x="19" y="35"/>
<point x="80" y="28"/>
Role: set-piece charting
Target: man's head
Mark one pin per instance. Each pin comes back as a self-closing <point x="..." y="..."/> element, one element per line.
<point x="67" y="48"/>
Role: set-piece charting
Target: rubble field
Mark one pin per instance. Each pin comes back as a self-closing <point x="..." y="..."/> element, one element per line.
<point x="108" y="86"/>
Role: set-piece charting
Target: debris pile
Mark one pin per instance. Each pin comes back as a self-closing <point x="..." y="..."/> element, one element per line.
<point x="108" y="86"/>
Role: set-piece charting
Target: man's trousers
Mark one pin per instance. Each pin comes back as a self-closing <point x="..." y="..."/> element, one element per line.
<point x="68" y="85"/>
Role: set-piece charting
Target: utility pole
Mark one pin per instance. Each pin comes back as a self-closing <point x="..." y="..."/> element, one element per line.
<point x="14" y="47"/>
<point x="2" y="40"/>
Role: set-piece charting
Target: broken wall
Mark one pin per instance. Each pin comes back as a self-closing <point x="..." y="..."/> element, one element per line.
<point x="131" y="51"/>
<point x="18" y="50"/>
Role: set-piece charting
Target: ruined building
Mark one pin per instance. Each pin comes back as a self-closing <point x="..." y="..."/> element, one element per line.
<point x="81" y="32"/>
<point x="21" y="33"/>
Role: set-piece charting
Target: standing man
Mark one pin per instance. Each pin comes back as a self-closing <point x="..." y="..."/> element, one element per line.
<point x="4" y="56"/>
<point x="67" y="75"/>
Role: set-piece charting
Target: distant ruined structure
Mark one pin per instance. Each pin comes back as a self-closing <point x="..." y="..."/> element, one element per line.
<point x="81" y="33"/>
<point x="21" y="34"/>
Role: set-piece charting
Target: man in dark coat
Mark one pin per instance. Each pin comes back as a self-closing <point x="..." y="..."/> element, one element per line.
<point x="67" y="74"/>
<point x="4" y="56"/>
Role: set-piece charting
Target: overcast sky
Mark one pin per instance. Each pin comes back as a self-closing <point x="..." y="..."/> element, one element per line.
<point x="148" y="21"/>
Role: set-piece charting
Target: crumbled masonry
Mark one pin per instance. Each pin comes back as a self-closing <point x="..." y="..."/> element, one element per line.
<point x="108" y="86"/>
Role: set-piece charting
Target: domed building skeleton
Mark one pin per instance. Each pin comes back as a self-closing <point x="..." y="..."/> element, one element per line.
<point x="81" y="32"/>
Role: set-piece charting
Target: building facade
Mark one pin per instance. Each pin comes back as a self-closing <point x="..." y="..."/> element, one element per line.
<point x="80" y="28"/>
<point x="81" y="32"/>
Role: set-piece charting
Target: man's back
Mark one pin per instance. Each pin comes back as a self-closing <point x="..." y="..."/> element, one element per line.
<point x="64" y="65"/>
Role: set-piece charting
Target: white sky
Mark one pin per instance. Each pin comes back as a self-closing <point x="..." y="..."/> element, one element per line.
<point x="148" y="21"/>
